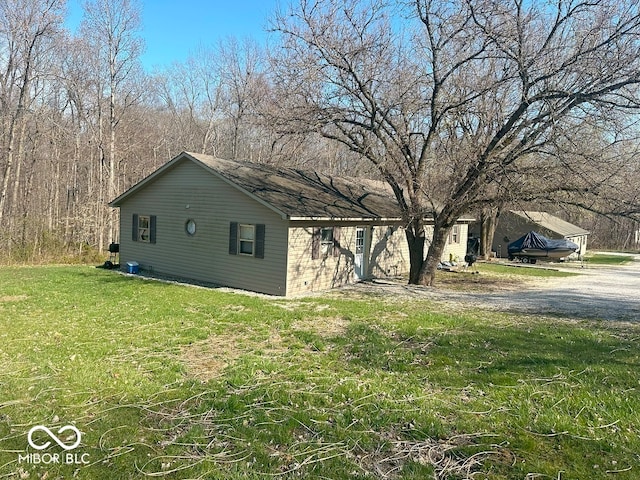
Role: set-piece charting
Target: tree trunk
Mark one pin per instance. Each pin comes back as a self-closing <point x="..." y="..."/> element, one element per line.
<point x="18" y="173"/>
<point x="415" y="241"/>
<point x="111" y="184"/>
<point x="5" y="180"/>
<point x="100" y="206"/>
<point x="488" y="223"/>
<point x="434" y="254"/>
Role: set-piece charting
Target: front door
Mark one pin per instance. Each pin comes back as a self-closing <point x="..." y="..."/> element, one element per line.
<point x="359" y="259"/>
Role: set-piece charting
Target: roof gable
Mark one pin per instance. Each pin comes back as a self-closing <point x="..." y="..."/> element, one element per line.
<point x="293" y="194"/>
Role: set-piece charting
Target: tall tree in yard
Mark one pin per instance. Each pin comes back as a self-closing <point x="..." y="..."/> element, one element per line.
<point x="112" y="28"/>
<point x="455" y="101"/>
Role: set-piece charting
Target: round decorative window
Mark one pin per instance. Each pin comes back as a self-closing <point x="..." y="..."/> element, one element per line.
<point x="190" y="227"/>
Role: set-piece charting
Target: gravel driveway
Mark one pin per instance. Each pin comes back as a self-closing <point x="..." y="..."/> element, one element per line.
<point x="599" y="292"/>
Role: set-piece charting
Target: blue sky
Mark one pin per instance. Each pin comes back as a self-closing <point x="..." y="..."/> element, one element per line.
<point x="174" y="28"/>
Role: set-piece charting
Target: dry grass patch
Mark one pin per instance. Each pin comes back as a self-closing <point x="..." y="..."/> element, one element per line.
<point x="444" y="456"/>
<point x="12" y="298"/>
<point x="325" y="327"/>
<point x="207" y="359"/>
<point x="292" y="306"/>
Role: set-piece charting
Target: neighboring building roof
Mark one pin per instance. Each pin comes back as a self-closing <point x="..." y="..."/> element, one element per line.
<point x="551" y="222"/>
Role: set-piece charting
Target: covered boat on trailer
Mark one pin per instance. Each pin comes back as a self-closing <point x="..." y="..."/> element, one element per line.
<point x="533" y="247"/>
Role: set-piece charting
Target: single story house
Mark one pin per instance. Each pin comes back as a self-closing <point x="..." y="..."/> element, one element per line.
<point x="513" y="224"/>
<point x="279" y="231"/>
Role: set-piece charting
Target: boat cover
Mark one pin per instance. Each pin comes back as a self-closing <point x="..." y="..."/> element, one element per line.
<point x="533" y="240"/>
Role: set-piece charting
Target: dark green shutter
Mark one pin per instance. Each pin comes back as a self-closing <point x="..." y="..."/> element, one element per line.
<point x="152" y="229"/>
<point x="233" y="238"/>
<point x="336" y="241"/>
<point x="259" y="252"/>
<point x="315" y="244"/>
<point x="134" y="228"/>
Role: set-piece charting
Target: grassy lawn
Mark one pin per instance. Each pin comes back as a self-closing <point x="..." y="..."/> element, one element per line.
<point x="179" y="382"/>
<point x="607" y="259"/>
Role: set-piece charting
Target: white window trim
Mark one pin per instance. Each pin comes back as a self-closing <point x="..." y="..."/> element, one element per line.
<point x="242" y="240"/>
<point x="360" y="240"/>
<point x="141" y="229"/>
<point x="326" y="246"/>
<point x="454" y="236"/>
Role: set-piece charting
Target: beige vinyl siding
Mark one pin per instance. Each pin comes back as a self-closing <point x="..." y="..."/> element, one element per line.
<point x="385" y="250"/>
<point x="308" y="275"/>
<point x="388" y="252"/>
<point x="457" y="250"/>
<point x="581" y="241"/>
<point x="188" y="192"/>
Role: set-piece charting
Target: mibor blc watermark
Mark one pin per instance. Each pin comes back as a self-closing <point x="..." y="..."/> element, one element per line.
<point x="46" y="458"/>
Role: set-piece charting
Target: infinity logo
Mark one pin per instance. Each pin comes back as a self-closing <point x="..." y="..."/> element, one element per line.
<point x="54" y="437"/>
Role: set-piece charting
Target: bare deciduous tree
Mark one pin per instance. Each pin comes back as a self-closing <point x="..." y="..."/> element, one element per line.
<point x="454" y="101"/>
<point x="241" y="68"/>
<point x="191" y="93"/>
<point x="216" y="95"/>
<point x="112" y="29"/>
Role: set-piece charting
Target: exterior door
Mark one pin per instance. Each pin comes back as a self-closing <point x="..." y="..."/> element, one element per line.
<point x="359" y="259"/>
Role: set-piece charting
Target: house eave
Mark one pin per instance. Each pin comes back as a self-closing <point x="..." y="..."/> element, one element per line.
<point x="344" y="219"/>
<point x="366" y="219"/>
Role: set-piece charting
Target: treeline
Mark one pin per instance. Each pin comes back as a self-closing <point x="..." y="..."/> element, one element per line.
<point x="81" y="121"/>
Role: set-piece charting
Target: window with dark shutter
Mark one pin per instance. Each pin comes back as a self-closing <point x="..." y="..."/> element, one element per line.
<point x="246" y="239"/>
<point x="143" y="228"/>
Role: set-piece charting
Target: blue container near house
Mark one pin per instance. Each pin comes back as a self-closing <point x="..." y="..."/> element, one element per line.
<point x="133" y="267"/>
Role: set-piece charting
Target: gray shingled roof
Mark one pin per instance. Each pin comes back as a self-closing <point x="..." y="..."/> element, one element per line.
<point x="295" y="194"/>
<point x="551" y="222"/>
<point x="306" y="194"/>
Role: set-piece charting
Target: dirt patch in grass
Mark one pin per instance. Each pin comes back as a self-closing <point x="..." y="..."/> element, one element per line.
<point x="394" y="290"/>
<point x="13" y="298"/>
<point x="293" y="306"/>
<point x="481" y="282"/>
<point x="325" y="327"/>
<point x="207" y="359"/>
